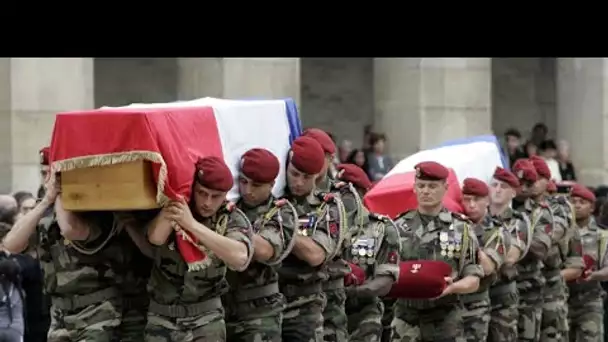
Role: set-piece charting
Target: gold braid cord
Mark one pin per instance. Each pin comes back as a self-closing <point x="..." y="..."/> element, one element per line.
<point x="90" y="251"/>
<point x="342" y="222"/>
<point x="119" y="158"/>
<point x="277" y="211"/>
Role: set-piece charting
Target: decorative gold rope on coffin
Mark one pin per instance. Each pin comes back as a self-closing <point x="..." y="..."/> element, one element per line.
<point x="119" y="158"/>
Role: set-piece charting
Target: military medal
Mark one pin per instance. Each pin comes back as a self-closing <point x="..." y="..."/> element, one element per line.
<point x="443" y="237"/>
<point x="370" y="261"/>
<point x="355" y="260"/>
<point x="443" y="252"/>
<point x="304" y="232"/>
<point x="450" y="254"/>
<point x="362" y="251"/>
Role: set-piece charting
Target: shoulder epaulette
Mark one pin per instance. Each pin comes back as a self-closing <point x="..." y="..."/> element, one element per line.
<point x="406" y="214"/>
<point x="460" y="216"/>
<point x="379" y="217"/>
<point x="230" y="206"/>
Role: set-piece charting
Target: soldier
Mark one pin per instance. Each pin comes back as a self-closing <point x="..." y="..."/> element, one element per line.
<point x="585" y="303"/>
<point x="494" y="242"/>
<point x="563" y="262"/>
<point x="135" y="273"/>
<point x="185" y="298"/>
<point x="504" y="296"/>
<point x="433" y="233"/>
<point x="325" y="180"/>
<point x="374" y="259"/>
<point x="530" y="279"/>
<point x="319" y="239"/>
<point x="254" y="305"/>
<point x="81" y="263"/>
<point x="335" y="323"/>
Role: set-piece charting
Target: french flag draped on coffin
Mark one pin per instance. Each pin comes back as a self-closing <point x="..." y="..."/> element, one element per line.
<point x="475" y="157"/>
<point x="171" y="137"/>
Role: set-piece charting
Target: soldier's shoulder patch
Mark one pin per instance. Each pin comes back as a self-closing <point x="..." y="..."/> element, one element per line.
<point x="379" y="217"/>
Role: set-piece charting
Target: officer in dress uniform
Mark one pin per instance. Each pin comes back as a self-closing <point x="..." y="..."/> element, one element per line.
<point x="319" y="239"/>
<point x="433" y="238"/>
<point x="254" y="305"/>
<point x="373" y="254"/>
<point x="504" y="296"/>
<point x="494" y="241"/>
<point x="585" y="302"/>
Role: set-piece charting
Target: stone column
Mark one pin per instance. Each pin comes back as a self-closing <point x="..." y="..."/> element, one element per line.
<point x="422" y="102"/>
<point x="582" y="118"/>
<point x="239" y="78"/>
<point x="32" y="91"/>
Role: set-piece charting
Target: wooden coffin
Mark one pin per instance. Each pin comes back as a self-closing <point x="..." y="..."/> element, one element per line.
<point x="126" y="186"/>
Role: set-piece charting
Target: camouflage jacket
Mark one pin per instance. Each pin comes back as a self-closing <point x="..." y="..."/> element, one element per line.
<point x="322" y="217"/>
<point x="568" y="239"/>
<point x="82" y="271"/>
<point x="517" y="226"/>
<point x="495" y="242"/>
<point x="275" y="221"/>
<point x="530" y="267"/>
<point x="446" y="237"/>
<point x="172" y="284"/>
<point x="595" y="246"/>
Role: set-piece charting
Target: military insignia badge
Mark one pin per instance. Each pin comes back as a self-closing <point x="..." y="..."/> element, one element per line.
<point x="418" y="172"/>
<point x="333" y="229"/>
<point x="41" y="157"/>
<point x="520" y="174"/>
<point x="392" y="257"/>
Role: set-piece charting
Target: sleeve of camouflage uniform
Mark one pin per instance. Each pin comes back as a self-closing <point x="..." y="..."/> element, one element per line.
<point x="327" y="233"/>
<point x="603" y="248"/>
<point x="351" y="204"/>
<point x="519" y="235"/>
<point x="469" y="265"/>
<point x="239" y="228"/>
<point x="541" y="222"/>
<point x="389" y="252"/>
<point x="279" y="232"/>
<point x="559" y="228"/>
<point x="497" y="248"/>
<point x="574" y="258"/>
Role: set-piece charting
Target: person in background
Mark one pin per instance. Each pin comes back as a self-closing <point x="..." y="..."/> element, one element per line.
<point x="513" y="146"/>
<point x="367" y="138"/>
<point x="346" y="147"/>
<point x="12" y="325"/>
<point x="25" y="202"/>
<point x="548" y="151"/>
<point x="539" y="133"/>
<point x="44" y="170"/>
<point x="8" y="209"/>
<point x="566" y="168"/>
<point x="358" y="157"/>
<point x="378" y="162"/>
<point x="530" y="149"/>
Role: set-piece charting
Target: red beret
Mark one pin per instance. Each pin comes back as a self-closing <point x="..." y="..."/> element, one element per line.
<point x="260" y="165"/>
<point x="213" y="173"/>
<point x="307" y="155"/>
<point x="322" y="138"/>
<point x="421" y="279"/>
<point x="541" y="167"/>
<point x="583" y="192"/>
<point x="551" y="187"/>
<point x="524" y="170"/>
<point x="44" y="155"/>
<point x="475" y="187"/>
<point x="506" y="176"/>
<point x="354" y="174"/>
<point x="430" y="170"/>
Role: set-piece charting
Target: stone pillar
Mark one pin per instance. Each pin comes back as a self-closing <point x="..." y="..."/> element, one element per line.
<point x="32" y="91"/>
<point x="236" y="78"/>
<point x="422" y="102"/>
<point x="582" y="118"/>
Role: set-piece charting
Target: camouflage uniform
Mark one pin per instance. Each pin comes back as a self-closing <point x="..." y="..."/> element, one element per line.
<point x="586" y="309"/>
<point x="387" y="318"/>
<point x="504" y="297"/>
<point x="82" y="279"/>
<point x="322" y="218"/>
<point x="530" y="279"/>
<point x="495" y="242"/>
<point x="448" y="238"/>
<point x="186" y="305"/>
<point x="565" y="252"/>
<point x="254" y="305"/>
<point x="375" y="248"/>
<point x="135" y="298"/>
